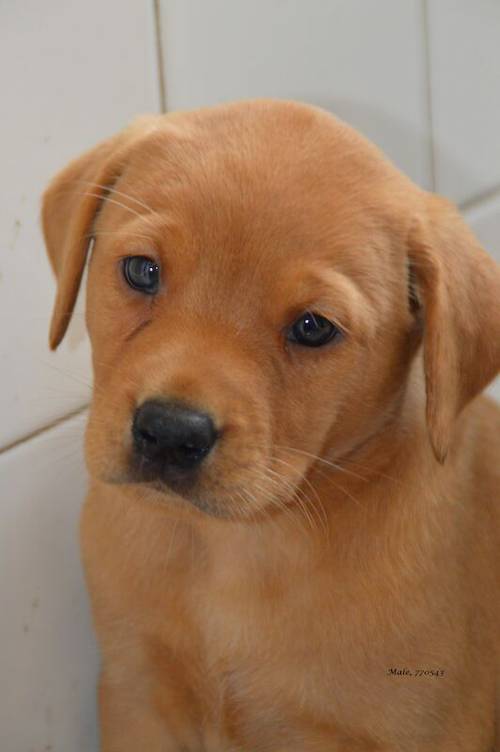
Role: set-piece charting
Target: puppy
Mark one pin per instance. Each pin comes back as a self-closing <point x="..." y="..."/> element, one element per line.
<point x="292" y="531"/>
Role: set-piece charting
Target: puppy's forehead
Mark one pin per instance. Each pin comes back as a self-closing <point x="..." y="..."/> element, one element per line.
<point x="259" y="155"/>
<point x="263" y="180"/>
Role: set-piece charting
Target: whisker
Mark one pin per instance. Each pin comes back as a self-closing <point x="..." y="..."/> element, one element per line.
<point x="110" y="189"/>
<point x="144" y="217"/>
<point x="170" y="545"/>
<point x="116" y="203"/>
<point x="322" y="460"/>
<point x="272" y="498"/>
<point x="118" y="232"/>
<point x="302" y="477"/>
<point x="317" y="507"/>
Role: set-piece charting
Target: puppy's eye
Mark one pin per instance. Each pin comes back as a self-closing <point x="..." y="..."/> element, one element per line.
<point x="142" y="273"/>
<point x="312" y="330"/>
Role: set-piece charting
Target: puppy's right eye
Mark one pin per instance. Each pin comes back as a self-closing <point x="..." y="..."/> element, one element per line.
<point x="142" y="273"/>
<point x="312" y="330"/>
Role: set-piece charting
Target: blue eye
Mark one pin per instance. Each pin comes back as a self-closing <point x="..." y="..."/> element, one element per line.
<point x="312" y="330"/>
<point x="142" y="273"/>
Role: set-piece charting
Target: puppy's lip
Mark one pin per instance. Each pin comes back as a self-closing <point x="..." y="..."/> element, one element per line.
<point x="176" y="490"/>
<point x="195" y="502"/>
<point x="177" y="478"/>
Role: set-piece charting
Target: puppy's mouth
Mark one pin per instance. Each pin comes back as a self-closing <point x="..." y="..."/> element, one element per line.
<point x="177" y="486"/>
<point x="161" y="473"/>
<point x="186" y="477"/>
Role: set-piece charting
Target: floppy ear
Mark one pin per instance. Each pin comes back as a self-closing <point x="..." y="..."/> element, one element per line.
<point x="460" y="287"/>
<point x="69" y="207"/>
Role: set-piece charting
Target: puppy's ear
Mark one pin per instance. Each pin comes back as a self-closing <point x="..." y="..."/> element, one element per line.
<point x="460" y="289"/>
<point x="69" y="207"/>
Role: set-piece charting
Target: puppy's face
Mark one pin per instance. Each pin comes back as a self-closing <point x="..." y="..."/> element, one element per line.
<point x="247" y="302"/>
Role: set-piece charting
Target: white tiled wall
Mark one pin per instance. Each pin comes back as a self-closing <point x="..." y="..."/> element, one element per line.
<point x="48" y="657"/>
<point x="420" y="77"/>
<point x="71" y="75"/>
<point x="464" y="42"/>
<point x="484" y="218"/>
<point x="365" y="60"/>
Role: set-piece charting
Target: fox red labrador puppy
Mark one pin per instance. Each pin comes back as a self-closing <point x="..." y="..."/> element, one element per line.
<point x="292" y="532"/>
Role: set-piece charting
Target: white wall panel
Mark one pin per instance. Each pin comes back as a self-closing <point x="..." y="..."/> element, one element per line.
<point x="464" y="44"/>
<point x="71" y="73"/>
<point x="48" y="658"/>
<point x="362" y="59"/>
<point x="485" y="221"/>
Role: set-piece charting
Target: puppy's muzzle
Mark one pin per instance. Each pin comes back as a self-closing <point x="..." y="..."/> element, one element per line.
<point x="170" y="441"/>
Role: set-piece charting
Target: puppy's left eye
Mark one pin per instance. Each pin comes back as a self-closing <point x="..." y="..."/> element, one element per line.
<point x="142" y="273"/>
<point x="312" y="330"/>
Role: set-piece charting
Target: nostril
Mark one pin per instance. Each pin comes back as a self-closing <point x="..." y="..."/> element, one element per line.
<point x="147" y="436"/>
<point x="189" y="450"/>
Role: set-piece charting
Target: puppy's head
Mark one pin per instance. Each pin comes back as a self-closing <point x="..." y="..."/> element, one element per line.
<point x="259" y="282"/>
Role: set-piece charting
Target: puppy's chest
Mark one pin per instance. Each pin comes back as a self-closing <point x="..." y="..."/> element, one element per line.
<point x="271" y="654"/>
<point x="279" y="654"/>
<point x="262" y="659"/>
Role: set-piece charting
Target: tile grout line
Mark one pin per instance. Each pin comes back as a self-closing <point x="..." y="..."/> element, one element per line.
<point x="480" y="198"/>
<point x="428" y="86"/>
<point x="47" y="427"/>
<point x="485" y="196"/>
<point x="159" y="56"/>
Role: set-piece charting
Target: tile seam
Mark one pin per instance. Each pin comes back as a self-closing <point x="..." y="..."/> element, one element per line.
<point x="160" y="60"/>
<point x="484" y="197"/>
<point x="429" y="97"/>
<point x="43" y="429"/>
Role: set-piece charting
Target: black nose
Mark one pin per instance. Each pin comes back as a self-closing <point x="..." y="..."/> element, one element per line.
<point x="173" y="437"/>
